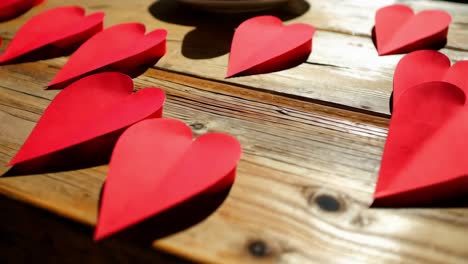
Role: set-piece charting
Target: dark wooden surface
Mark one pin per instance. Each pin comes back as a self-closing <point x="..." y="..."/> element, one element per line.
<point x="29" y="234"/>
<point x="312" y="137"/>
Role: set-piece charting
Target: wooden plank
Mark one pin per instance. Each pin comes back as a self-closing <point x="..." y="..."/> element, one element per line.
<point x="351" y="17"/>
<point x="303" y="188"/>
<point x="343" y="69"/>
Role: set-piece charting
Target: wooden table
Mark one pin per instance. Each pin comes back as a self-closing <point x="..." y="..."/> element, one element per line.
<point x="312" y="138"/>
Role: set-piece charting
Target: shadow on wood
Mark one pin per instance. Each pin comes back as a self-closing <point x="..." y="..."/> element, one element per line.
<point x="213" y="33"/>
<point x="457" y="1"/>
<point x="425" y="198"/>
<point x="88" y="154"/>
<point x="17" y="9"/>
<point x="173" y="220"/>
<point x="29" y="234"/>
<point x="115" y="67"/>
<point x="44" y="53"/>
<point x="390" y="103"/>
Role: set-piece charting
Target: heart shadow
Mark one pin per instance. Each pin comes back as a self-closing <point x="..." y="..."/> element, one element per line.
<point x="9" y="16"/>
<point x="173" y="220"/>
<point x="390" y="103"/>
<point x="43" y="53"/>
<point x="419" y="198"/>
<point x="457" y="1"/>
<point x="133" y="73"/>
<point x="88" y="154"/>
<point x="213" y="32"/>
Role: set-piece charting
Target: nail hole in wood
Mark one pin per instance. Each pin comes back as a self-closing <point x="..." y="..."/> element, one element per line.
<point x="362" y="220"/>
<point x="197" y="126"/>
<point x="258" y="248"/>
<point x="327" y="203"/>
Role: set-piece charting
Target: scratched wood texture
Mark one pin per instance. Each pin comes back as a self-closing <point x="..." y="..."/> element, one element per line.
<point x="312" y="138"/>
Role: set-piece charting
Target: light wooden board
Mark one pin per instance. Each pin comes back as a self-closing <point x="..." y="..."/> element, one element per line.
<point x="294" y="151"/>
<point x="303" y="138"/>
<point x="344" y="68"/>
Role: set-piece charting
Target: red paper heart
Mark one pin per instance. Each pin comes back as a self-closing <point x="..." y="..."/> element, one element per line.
<point x="426" y="66"/>
<point x="121" y="48"/>
<point x="61" y="27"/>
<point x="91" y="107"/>
<point x="263" y="44"/>
<point x="13" y="8"/>
<point x="157" y="165"/>
<point x="399" y="30"/>
<point x="426" y="153"/>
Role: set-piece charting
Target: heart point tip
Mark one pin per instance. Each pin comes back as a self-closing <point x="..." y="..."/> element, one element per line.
<point x="3" y="59"/>
<point x="230" y="75"/>
<point x="380" y="194"/>
<point x="54" y="82"/>
<point x="52" y="85"/>
<point x="383" y="53"/>
<point x="98" y="235"/>
<point x="12" y="162"/>
<point x="102" y="231"/>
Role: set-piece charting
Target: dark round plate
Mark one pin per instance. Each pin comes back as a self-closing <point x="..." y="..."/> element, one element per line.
<point x="234" y="6"/>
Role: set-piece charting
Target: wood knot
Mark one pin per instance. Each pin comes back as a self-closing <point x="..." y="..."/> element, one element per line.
<point x="197" y="126"/>
<point x="328" y="203"/>
<point x="324" y="199"/>
<point x="258" y="248"/>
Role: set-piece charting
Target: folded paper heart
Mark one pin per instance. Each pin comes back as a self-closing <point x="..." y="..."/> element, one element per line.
<point x="426" y="154"/>
<point x="426" y="66"/>
<point x="156" y="165"/>
<point x="123" y="48"/>
<point x="263" y="44"/>
<point x="89" y="108"/>
<point x="13" y="8"/>
<point x="62" y="27"/>
<point x="399" y="30"/>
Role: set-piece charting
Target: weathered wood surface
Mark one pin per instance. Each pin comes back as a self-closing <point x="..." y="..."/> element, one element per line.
<point x="343" y="69"/>
<point x="304" y="140"/>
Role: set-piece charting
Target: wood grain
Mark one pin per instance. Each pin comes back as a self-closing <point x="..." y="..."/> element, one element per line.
<point x="312" y="138"/>
<point x="343" y="69"/>
<point x="294" y="153"/>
